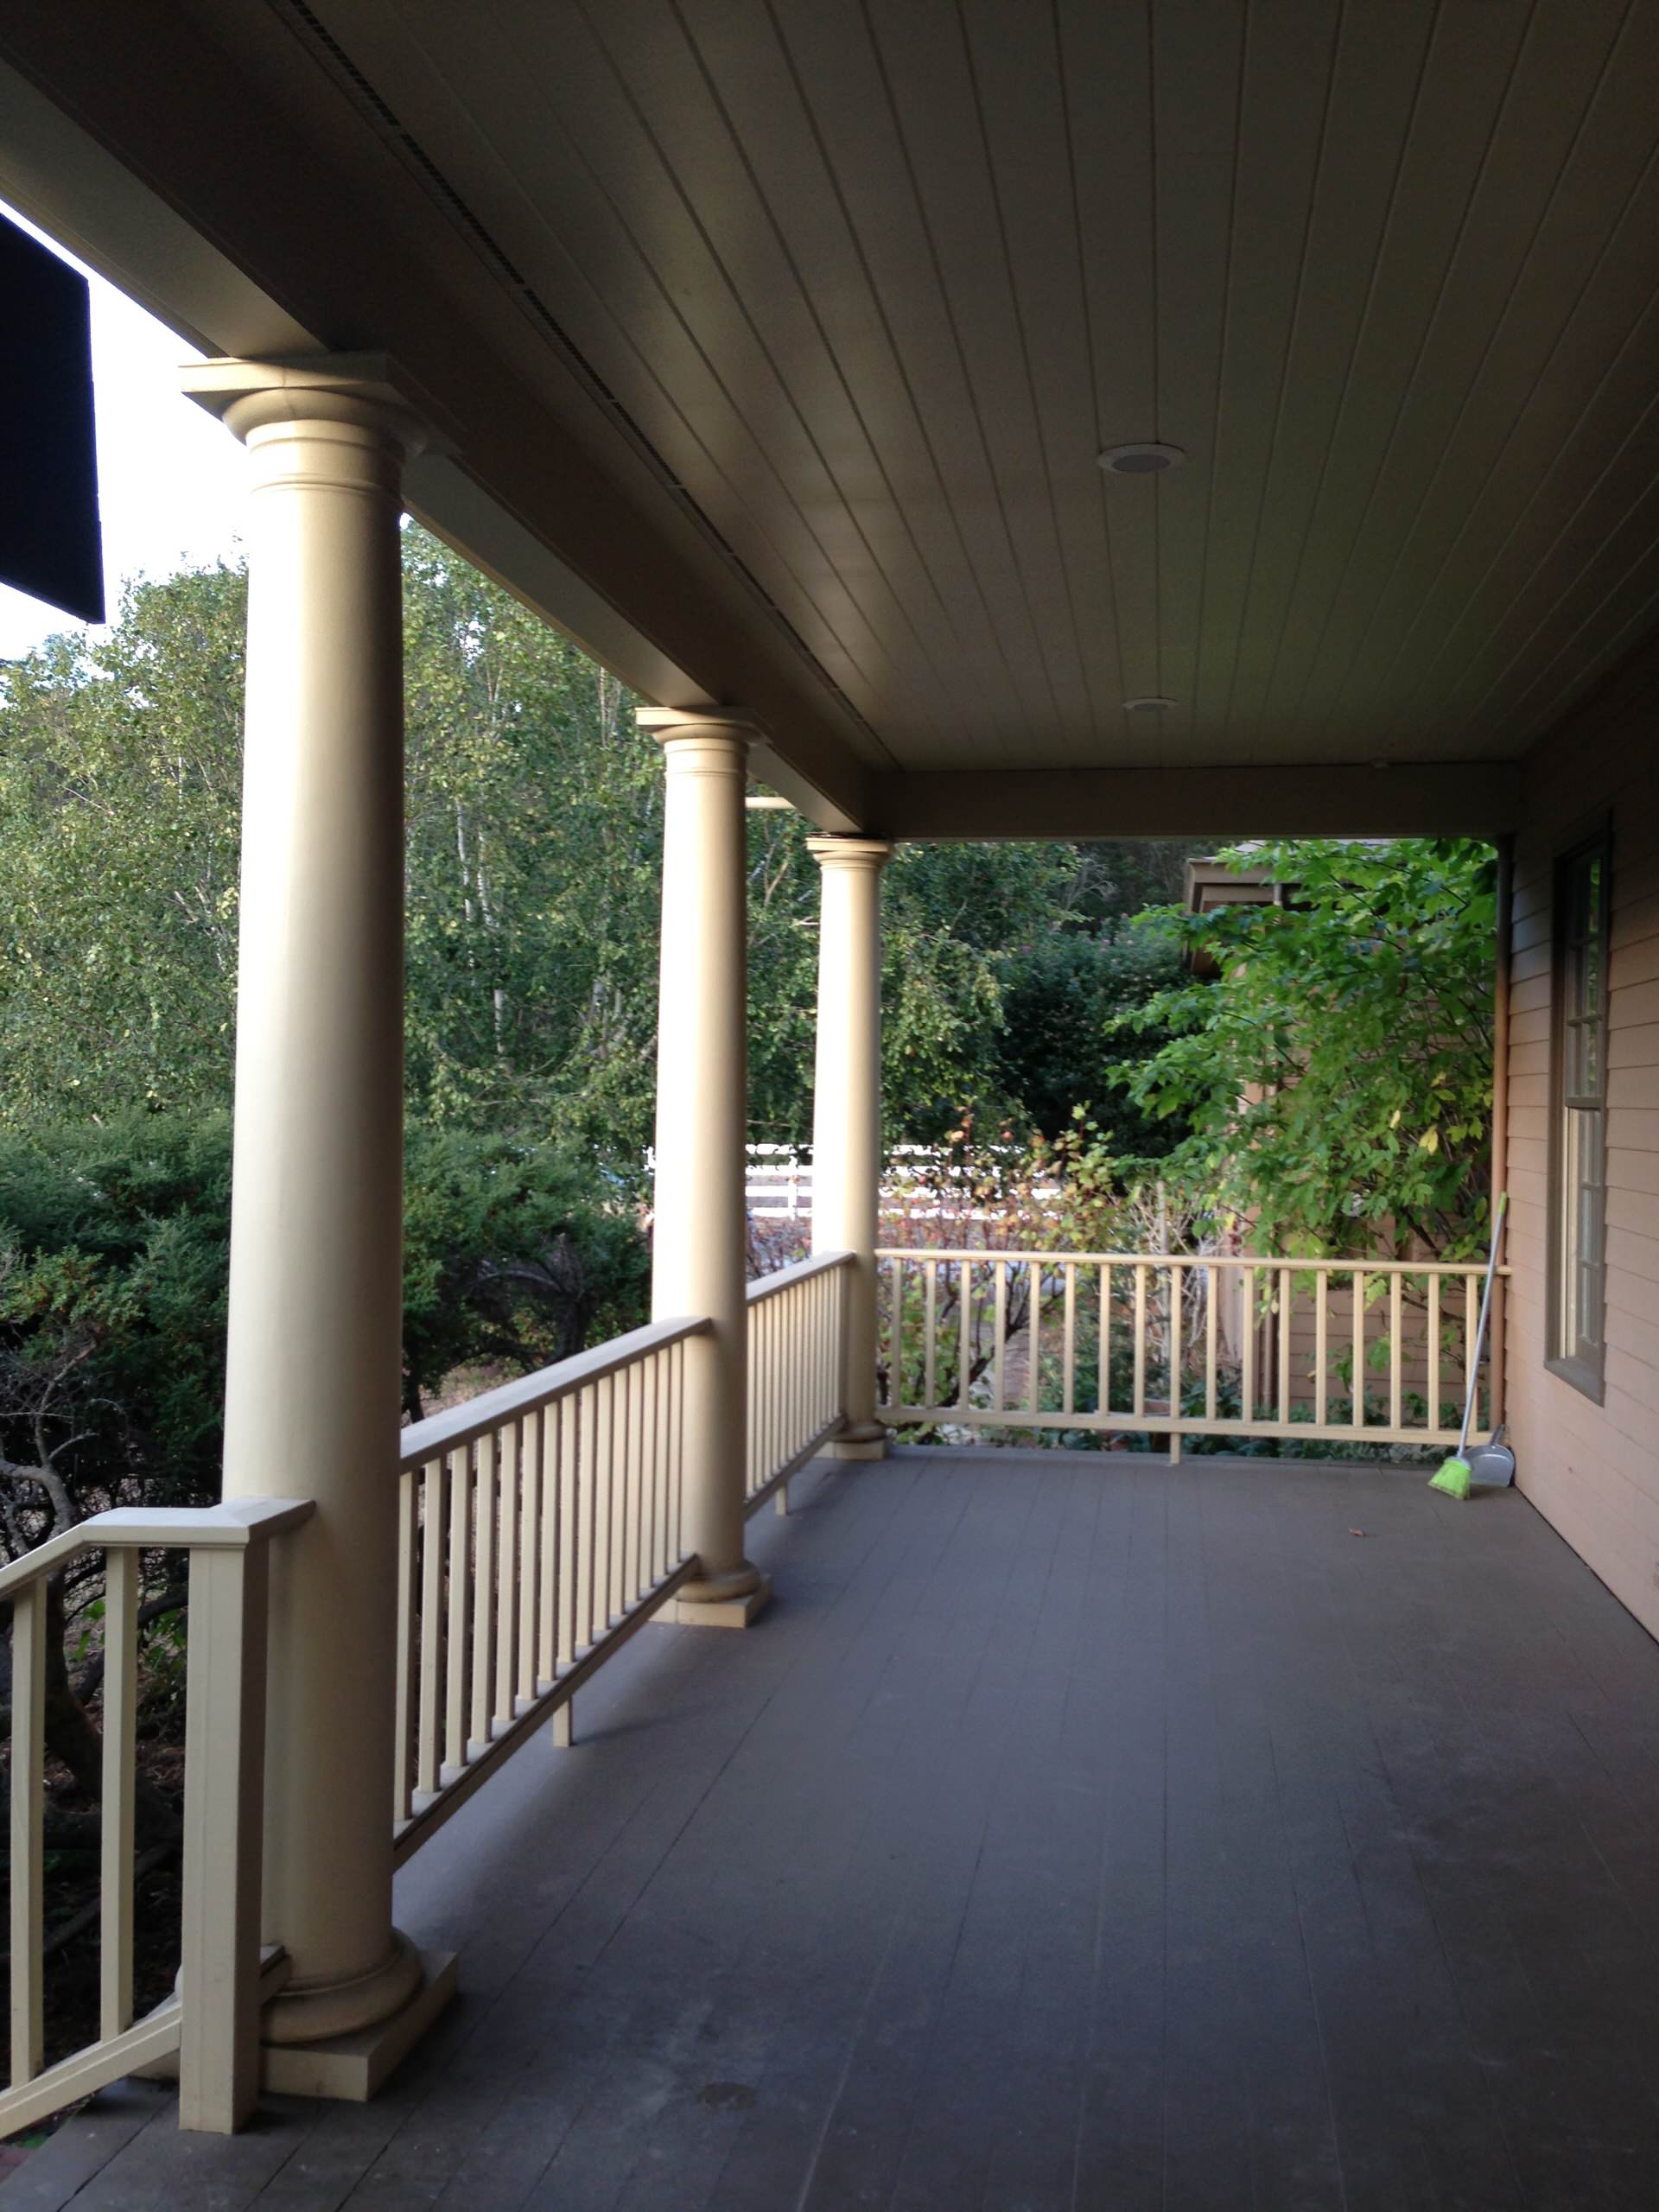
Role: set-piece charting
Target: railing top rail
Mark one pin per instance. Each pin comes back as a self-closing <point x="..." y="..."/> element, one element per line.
<point x="1185" y="1260"/>
<point x="447" y="1431"/>
<point x="232" y="1525"/>
<point x="767" y="1285"/>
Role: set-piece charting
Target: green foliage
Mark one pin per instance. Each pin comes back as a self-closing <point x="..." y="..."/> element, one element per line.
<point x="1063" y="1044"/>
<point x="120" y="786"/>
<point x="1336" y="1074"/>
<point x="507" y="1257"/>
<point x="114" y="1255"/>
<point x="535" y="838"/>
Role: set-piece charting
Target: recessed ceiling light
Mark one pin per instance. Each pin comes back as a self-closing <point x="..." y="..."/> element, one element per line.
<point x="1151" y="705"/>
<point x="1141" y="459"/>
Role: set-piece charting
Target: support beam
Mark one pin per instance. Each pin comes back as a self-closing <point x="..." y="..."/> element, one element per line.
<point x="1471" y="798"/>
<point x="698" y="1239"/>
<point x="846" y="1110"/>
<point x="315" y="1354"/>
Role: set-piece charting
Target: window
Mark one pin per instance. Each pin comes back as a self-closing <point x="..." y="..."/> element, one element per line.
<point x="1578" y="1154"/>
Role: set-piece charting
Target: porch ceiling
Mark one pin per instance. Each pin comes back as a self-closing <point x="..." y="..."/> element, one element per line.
<point x="780" y="341"/>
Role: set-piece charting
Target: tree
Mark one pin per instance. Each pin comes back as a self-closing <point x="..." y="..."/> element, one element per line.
<point x="1063" y="1044"/>
<point x="1337" y="1073"/>
<point x="534" y="810"/>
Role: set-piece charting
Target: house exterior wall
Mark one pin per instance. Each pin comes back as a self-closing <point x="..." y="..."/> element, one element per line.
<point x="1593" y="1470"/>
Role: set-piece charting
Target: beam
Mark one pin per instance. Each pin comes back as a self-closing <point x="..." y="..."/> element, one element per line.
<point x="1465" y="798"/>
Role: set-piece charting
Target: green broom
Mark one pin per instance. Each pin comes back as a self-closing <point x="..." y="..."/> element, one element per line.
<point x="1454" y="1477"/>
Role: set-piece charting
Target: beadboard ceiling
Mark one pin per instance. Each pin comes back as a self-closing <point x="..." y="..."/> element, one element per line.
<point x="843" y="301"/>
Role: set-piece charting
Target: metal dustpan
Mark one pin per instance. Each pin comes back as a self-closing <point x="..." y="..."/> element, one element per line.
<point x="1491" y="1466"/>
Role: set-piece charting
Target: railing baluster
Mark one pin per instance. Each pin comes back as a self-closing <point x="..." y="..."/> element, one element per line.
<point x="1396" y="1351"/>
<point x="1035" y="1335"/>
<point x="1212" y="1282"/>
<point x="1247" y="1342"/>
<point x="120" y="1789"/>
<point x="1177" y="1278"/>
<point x="484" y="1513"/>
<point x="1470" y="1326"/>
<point x="529" y="1547"/>
<point x="460" y="1477"/>
<point x="1432" y="1349"/>
<point x="572" y="1552"/>
<point x="429" y="1737"/>
<point x="1321" y="1345"/>
<point x="506" y="1576"/>
<point x="28" y="1828"/>
<point x="408" y="1684"/>
<point x="930" y="1324"/>
<point x="1140" y="1339"/>
<point x="1069" y="1355"/>
<point x="551" y="1531"/>
<point x="1285" y="1320"/>
<point x="999" y="1332"/>
<point x="965" y="1333"/>
<point x="896" y="1333"/>
<point x="1103" y="1393"/>
<point x="1359" y="1349"/>
<point x="592" y="1466"/>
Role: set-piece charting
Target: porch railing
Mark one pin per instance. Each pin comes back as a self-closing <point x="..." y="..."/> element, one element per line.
<point x="538" y="1527"/>
<point x="1181" y="1345"/>
<point x="213" y="2024"/>
<point x="797" y="1328"/>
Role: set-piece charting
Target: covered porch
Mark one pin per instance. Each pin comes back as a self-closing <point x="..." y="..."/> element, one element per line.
<point x="1070" y="1832"/>
<point x="1089" y="1830"/>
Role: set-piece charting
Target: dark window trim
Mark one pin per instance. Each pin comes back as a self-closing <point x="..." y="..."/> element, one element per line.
<point x="1586" y="1375"/>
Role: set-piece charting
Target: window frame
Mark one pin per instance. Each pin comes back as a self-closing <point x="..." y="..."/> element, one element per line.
<point x="1583" y="1363"/>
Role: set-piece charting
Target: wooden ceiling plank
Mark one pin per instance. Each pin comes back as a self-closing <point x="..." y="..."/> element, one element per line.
<point x="1524" y="450"/>
<point x="1476" y="381"/>
<point x="854" y="104"/>
<point x="1023" y="105"/>
<point x="902" y="490"/>
<point x="1612" y="443"/>
<point x="652" y="346"/>
<point x="1198" y="52"/>
<point x="1605" y="570"/>
<point x="1414" y="102"/>
<point x="1285" y="110"/>
<point x="1374" y="85"/>
<point x="714" y="171"/>
<point x="1106" y="62"/>
<point x="1442" y="313"/>
<point x="936" y="92"/>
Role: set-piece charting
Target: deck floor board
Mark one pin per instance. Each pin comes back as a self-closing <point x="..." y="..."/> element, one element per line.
<point x="1074" y="1833"/>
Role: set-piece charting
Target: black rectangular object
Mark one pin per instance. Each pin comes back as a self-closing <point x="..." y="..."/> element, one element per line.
<point x="50" y="543"/>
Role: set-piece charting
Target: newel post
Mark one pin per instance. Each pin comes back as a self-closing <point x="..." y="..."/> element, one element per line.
<point x="847" y="1110"/>
<point x="315" y="1351"/>
<point x="699" y="1237"/>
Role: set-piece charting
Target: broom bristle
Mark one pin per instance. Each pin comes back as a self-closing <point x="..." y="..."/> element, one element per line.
<point x="1453" y="1479"/>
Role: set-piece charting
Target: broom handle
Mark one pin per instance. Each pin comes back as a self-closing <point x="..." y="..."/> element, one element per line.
<point x="1480" y="1329"/>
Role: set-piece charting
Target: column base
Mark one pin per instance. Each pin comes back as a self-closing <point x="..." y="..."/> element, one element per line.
<point x="862" y="1440"/>
<point x="352" y="2067"/>
<point x="715" y="1611"/>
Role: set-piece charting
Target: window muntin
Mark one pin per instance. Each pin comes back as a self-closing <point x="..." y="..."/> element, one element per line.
<point x="1578" y="1199"/>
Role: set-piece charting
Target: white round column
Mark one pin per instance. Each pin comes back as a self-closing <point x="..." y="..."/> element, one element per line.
<point x="846" y="1108"/>
<point x="698" y="1261"/>
<point x="315" y="1356"/>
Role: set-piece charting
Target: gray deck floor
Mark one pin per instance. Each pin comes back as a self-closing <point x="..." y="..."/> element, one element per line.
<point x="1097" y="1834"/>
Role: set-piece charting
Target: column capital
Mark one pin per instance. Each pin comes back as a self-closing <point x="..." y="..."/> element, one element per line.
<point x="730" y="726"/>
<point x="834" y="851"/>
<point x="369" y="392"/>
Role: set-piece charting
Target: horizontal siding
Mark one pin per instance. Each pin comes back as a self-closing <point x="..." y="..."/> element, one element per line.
<point x="1593" y="1470"/>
